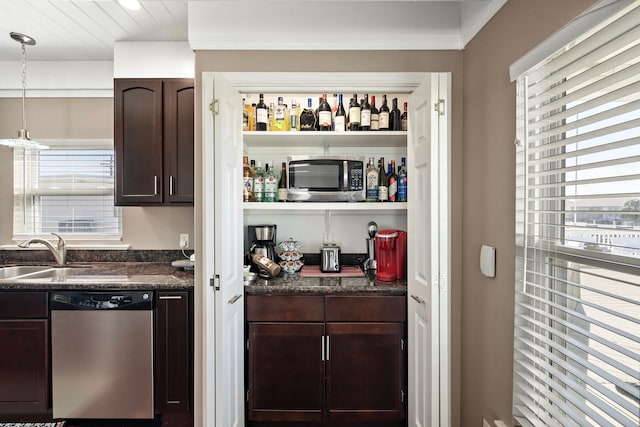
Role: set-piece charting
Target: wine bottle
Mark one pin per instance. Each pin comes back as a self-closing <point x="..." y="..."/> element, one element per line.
<point x="247" y="180"/>
<point x="262" y="114"/>
<point x="374" y="115"/>
<point x="402" y="181"/>
<point x="308" y="118"/>
<point x="404" y="119"/>
<point x="383" y="183"/>
<point x="324" y="114"/>
<point x="394" y="116"/>
<point x="341" y="117"/>
<point x="334" y="111"/>
<point x="393" y="182"/>
<point x="354" y="113"/>
<point x="365" y="114"/>
<point x="383" y="117"/>
<point x="282" y="184"/>
<point x="371" y="194"/>
<point x="258" y="184"/>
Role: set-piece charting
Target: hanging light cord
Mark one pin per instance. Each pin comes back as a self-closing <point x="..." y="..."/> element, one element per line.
<point x="24" y="84"/>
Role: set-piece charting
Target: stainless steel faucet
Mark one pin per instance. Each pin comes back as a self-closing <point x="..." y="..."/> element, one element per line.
<point x="60" y="252"/>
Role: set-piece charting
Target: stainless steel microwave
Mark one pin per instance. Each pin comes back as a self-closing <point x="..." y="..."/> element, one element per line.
<point x="326" y="178"/>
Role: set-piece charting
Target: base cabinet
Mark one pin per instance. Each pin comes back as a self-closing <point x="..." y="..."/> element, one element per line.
<point x="24" y="359"/>
<point x="326" y="360"/>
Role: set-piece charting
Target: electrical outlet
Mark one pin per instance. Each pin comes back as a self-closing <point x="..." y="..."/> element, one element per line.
<point x="184" y="241"/>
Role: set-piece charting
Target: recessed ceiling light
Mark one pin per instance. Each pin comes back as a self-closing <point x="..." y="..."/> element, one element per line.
<point x="130" y="4"/>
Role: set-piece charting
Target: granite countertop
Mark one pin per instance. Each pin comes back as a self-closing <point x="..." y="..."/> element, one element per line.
<point x="294" y="284"/>
<point x="105" y="275"/>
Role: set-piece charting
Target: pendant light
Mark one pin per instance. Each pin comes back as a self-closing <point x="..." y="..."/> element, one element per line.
<point x="23" y="141"/>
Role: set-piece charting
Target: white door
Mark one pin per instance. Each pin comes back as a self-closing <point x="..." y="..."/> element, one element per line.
<point x="423" y="216"/>
<point x="223" y="356"/>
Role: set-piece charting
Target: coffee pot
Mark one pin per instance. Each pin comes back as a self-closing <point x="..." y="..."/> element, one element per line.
<point x="263" y="241"/>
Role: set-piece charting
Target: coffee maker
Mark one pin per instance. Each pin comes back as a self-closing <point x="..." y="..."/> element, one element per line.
<point x="391" y="253"/>
<point x="262" y="241"/>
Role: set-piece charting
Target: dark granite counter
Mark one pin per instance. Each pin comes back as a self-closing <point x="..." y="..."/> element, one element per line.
<point x="105" y="275"/>
<point x="295" y="285"/>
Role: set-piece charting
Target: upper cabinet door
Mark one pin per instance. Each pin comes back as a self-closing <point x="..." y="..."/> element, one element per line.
<point x="138" y="141"/>
<point x="178" y="140"/>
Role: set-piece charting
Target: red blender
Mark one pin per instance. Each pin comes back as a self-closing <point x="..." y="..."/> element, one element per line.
<point x="391" y="255"/>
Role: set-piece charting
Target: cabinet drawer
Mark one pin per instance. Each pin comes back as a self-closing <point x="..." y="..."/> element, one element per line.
<point x="366" y="308"/>
<point x="23" y="305"/>
<point x="278" y="308"/>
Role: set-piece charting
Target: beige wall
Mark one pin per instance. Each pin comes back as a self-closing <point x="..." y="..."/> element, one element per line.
<point x="489" y="200"/>
<point x="142" y="228"/>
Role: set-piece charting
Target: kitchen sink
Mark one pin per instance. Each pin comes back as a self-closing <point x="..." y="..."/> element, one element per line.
<point x="35" y="271"/>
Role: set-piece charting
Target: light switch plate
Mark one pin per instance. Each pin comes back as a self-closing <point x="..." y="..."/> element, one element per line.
<point x="488" y="261"/>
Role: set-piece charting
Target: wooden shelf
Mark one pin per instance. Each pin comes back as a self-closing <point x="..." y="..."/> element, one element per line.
<point x="320" y="139"/>
<point x="326" y="206"/>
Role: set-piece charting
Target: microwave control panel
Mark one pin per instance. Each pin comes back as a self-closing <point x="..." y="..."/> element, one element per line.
<point x="356" y="176"/>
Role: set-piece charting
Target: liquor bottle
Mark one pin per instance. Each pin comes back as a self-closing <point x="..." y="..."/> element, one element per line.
<point x="324" y="114"/>
<point x="383" y="116"/>
<point x="245" y="116"/>
<point x="253" y="166"/>
<point x="262" y="114"/>
<point x="340" y="124"/>
<point x="365" y="114"/>
<point x="354" y="113"/>
<point x="404" y="119"/>
<point x="270" y="184"/>
<point x="393" y="182"/>
<point x="394" y="116"/>
<point x="402" y="181"/>
<point x="383" y="182"/>
<point x="247" y="180"/>
<point x="258" y="184"/>
<point x="280" y="117"/>
<point x="374" y="115"/>
<point x="253" y="122"/>
<point x="270" y="117"/>
<point x="294" y="116"/>
<point x="283" y="192"/>
<point x="334" y="111"/>
<point x="371" y="182"/>
<point x="308" y="118"/>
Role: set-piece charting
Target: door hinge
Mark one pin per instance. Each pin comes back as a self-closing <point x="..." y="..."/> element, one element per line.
<point x="214" y="282"/>
<point x="213" y="106"/>
<point x="443" y="282"/>
<point x="439" y="107"/>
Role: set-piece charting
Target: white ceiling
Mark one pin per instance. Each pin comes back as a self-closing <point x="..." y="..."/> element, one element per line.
<point x="88" y="29"/>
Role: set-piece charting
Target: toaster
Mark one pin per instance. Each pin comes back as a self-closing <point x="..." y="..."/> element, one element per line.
<point x="330" y="258"/>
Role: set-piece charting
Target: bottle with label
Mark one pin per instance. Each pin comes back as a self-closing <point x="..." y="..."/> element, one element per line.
<point x="365" y="114"/>
<point x="280" y="117"/>
<point x="383" y="182"/>
<point x="340" y="122"/>
<point x="283" y="192"/>
<point x="393" y="182"/>
<point x="247" y="180"/>
<point x="245" y="115"/>
<point x="383" y="116"/>
<point x="354" y="113"/>
<point x="374" y="115"/>
<point x="402" y="181"/>
<point x="334" y="110"/>
<point x="270" y="117"/>
<point x="308" y="118"/>
<point x="262" y="114"/>
<point x="324" y="114"/>
<point x="404" y="119"/>
<point x="270" y="267"/>
<point x="252" y="165"/>
<point x="371" y="182"/>
<point x="270" y="184"/>
<point x="258" y="184"/>
<point x="294" y="116"/>
<point x="394" y="116"/>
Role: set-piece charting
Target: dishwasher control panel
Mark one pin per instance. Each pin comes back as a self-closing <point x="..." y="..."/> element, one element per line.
<point x="102" y="300"/>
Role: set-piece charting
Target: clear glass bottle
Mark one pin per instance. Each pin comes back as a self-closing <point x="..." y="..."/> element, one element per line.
<point x="383" y="182"/>
<point x="371" y="182"/>
<point x="270" y="117"/>
<point x="270" y="184"/>
<point x="294" y="116"/>
<point x="262" y="114"/>
<point x="324" y="114"/>
<point x="280" y="117"/>
<point x="365" y="114"/>
<point x="258" y="183"/>
<point x="383" y="116"/>
<point x="402" y="181"/>
<point x="247" y="180"/>
<point x="340" y="124"/>
<point x="375" y="125"/>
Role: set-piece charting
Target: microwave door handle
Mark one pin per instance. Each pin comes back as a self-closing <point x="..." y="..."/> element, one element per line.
<point x="345" y="175"/>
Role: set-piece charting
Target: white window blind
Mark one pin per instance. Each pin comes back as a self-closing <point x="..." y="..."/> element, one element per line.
<point x="577" y="314"/>
<point x="67" y="189"/>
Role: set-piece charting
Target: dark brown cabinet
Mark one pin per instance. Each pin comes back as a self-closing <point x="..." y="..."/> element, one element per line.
<point x="154" y="124"/>
<point x="24" y="359"/>
<point x="174" y="358"/>
<point x="326" y="360"/>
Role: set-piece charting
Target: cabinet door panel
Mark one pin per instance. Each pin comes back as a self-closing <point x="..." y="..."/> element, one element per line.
<point x="365" y="372"/>
<point x="286" y="371"/>
<point x="24" y="366"/>
<point x="138" y="141"/>
<point x="178" y="139"/>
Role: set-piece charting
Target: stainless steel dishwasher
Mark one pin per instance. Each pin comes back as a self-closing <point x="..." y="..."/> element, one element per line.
<point x="102" y="354"/>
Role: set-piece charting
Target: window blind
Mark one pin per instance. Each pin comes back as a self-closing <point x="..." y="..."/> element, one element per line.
<point x="67" y="189"/>
<point x="577" y="312"/>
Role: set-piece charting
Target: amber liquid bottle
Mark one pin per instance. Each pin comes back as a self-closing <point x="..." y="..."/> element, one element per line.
<point x="247" y="180"/>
